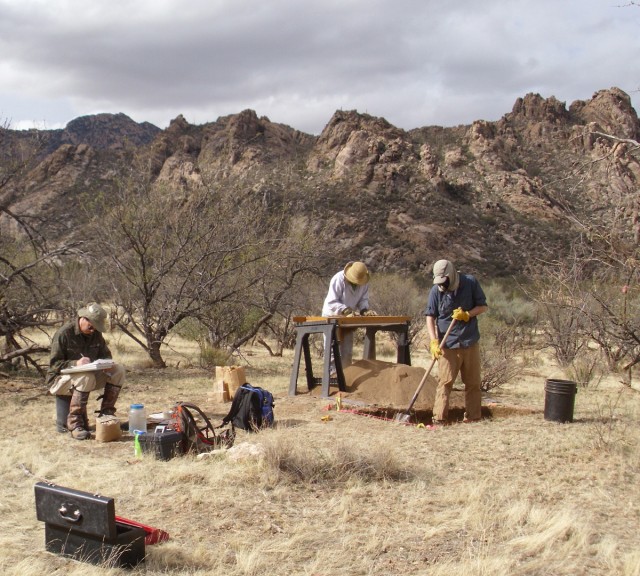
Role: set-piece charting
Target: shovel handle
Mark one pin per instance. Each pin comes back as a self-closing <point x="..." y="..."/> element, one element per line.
<point x="426" y="374"/>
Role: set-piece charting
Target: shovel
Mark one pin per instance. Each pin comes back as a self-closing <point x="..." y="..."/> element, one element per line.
<point x="403" y="418"/>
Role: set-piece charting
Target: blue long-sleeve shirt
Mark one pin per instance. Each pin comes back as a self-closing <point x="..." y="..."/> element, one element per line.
<point x="441" y="305"/>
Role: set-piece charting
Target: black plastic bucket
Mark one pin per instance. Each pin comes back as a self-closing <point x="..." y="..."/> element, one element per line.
<point x="559" y="400"/>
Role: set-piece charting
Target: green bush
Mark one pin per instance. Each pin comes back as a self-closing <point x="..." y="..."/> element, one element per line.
<point x="210" y="356"/>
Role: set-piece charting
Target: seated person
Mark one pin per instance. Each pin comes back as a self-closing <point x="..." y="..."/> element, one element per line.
<point x="77" y="343"/>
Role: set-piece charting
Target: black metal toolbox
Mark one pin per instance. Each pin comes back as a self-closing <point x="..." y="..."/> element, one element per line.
<point x="83" y="526"/>
<point x="163" y="444"/>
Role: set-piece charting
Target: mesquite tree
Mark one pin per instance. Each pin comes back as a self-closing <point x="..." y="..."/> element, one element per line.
<point x="29" y="262"/>
<point x="201" y="253"/>
<point x="593" y="295"/>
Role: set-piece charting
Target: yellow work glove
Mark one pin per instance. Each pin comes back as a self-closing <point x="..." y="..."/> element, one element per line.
<point x="366" y="312"/>
<point x="434" y="348"/>
<point x="460" y="314"/>
<point x="347" y="312"/>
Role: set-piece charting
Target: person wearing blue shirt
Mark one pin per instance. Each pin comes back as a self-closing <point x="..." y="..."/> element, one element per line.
<point x="459" y="297"/>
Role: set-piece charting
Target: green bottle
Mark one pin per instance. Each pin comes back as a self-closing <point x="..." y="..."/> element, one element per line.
<point x="137" y="448"/>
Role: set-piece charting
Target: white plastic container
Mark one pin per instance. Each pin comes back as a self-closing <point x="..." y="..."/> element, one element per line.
<point x="137" y="418"/>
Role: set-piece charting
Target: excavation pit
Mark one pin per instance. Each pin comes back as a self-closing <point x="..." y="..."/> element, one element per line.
<point x="384" y="390"/>
<point x="456" y="414"/>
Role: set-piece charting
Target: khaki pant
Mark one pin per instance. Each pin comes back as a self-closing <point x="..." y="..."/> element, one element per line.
<point x="466" y="362"/>
<point x="65" y="384"/>
<point x="345" y="344"/>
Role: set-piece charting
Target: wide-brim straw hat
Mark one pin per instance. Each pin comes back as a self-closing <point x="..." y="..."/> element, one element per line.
<point x="96" y="314"/>
<point x="356" y="273"/>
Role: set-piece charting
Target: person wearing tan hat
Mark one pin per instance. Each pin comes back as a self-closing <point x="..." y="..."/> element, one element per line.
<point x="348" y="295"/>
<point x="459" y="297"/>
<point x="76" y="344"/>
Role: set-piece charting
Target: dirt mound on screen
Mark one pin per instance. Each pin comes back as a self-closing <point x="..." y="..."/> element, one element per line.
<point x="374" y="382"/>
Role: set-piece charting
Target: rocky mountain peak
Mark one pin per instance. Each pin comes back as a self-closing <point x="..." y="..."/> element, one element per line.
<point x="534" y="107"/>
<point x="344" y="123"/>
<point x="611" y="111"/>
<point x="246" y="125"/>
<point x="102" y="131"/>
<point x="360" y="147"/>
<point x="178" y="123"/>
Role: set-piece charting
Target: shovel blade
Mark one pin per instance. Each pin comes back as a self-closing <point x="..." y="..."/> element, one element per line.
<point x="402" y="418"/>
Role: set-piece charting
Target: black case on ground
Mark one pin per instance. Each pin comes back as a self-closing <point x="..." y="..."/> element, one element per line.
<point x="83" y="526"/>
<point x="164" y="445"/>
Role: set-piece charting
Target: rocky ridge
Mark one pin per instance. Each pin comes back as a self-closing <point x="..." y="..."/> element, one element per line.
<point x="492" y="196"/>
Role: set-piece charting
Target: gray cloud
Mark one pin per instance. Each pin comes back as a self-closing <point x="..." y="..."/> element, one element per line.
<point x="414" y="62"/>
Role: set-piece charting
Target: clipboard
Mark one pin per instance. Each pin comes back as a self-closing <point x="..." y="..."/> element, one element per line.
<point x="95" y="366"/>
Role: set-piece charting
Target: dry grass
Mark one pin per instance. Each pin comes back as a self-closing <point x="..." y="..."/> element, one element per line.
<point x="349" y="495"/>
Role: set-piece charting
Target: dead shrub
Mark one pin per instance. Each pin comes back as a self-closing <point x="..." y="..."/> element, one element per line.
<point x="342" y="462"/>
<point x="585" y="369"/>
<point x="507" y="334"/>
<point x="609" y="429"/>
<point x="498" y="369"/>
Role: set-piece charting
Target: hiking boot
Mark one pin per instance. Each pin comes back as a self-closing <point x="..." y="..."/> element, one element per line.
<point x="80" y="433"/>
<point x="467" y="420"/>
<point x="77" y="420"/>
<point x="109" y="398"/>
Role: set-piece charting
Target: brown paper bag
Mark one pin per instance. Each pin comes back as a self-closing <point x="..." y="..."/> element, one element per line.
<point x="220" y="393"/>
<point x="233" y="377"/>
<point x="107" y="429"/>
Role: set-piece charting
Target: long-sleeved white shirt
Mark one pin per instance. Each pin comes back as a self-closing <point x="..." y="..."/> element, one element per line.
<point x="341" y="295"/>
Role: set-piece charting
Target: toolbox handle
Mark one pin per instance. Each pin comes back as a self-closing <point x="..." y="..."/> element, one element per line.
<point x="70" y="513"/>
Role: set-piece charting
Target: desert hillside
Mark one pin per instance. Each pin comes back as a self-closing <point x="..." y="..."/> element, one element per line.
<point x="494" y="196"/>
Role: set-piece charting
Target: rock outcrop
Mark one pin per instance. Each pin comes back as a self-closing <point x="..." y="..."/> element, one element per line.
<point x="491" y="195"/>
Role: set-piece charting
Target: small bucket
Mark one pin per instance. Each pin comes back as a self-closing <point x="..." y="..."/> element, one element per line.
<point x="559" y="400"/>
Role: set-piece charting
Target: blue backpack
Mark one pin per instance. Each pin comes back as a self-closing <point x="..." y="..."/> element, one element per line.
<point x="251" y="409"/>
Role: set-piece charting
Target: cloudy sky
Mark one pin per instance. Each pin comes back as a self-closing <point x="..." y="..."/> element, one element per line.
<point x="414" y="62"/>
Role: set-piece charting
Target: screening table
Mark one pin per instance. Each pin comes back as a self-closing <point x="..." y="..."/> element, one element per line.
<point x="329" y="327"/>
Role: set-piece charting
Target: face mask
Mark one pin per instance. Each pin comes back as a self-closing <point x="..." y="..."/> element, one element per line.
<point x="444" y="286"/>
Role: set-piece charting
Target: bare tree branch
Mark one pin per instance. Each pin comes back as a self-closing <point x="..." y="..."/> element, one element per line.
<point x="633" y="143"/>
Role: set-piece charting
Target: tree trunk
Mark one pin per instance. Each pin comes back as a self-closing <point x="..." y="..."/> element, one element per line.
<point x="155" y="355"/>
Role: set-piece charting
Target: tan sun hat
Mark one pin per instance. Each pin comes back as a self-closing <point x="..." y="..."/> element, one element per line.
<point x="96" y="314"/>
<point x="356" y="273"/>
<point x="442" y="270"/>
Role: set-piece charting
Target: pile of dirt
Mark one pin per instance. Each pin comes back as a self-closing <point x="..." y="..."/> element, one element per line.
<point x="377" y="383"/>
